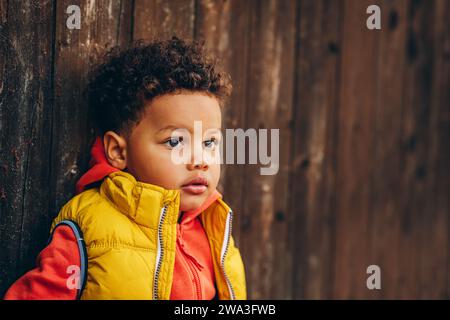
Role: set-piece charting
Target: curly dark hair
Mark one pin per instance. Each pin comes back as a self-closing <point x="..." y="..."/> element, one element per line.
<point x="120" y="88"/>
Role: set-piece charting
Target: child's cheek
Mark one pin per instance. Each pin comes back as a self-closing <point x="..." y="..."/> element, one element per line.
<point x="215" y="175"/>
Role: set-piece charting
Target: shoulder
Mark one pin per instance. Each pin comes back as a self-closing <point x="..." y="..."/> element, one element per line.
<point x="79" y="205"/>
<point x="90" y="211"/>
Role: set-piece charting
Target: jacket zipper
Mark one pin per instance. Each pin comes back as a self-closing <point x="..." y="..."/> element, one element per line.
<point x="197" y="282"/>
<point x="195" y="276"/>
<point x="224" y="251"/>
<point x="160" y="253"/>
<point x="189" y="263"/>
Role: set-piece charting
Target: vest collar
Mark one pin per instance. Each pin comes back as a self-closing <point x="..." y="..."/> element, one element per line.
<point x="141" y="202"/>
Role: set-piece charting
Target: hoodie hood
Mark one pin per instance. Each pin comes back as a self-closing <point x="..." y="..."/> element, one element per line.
<point x="99" y="167"/>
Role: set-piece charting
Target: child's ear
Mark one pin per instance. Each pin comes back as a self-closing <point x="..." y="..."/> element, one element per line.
<point x="115" y="149"/>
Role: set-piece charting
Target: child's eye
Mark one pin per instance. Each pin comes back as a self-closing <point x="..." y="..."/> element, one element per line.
<point x="211" y="143"/>
<point x="174" y="142"/>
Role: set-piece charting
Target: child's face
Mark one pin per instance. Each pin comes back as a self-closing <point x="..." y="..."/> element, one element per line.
<point x="151" y="143"/>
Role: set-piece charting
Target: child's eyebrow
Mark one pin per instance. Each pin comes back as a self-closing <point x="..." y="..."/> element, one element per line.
<point x="173" y="127"/>
<point x="169" y="127"/>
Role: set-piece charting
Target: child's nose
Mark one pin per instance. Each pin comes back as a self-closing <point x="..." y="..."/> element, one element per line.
<point x="199" y="166"/>
<point x="197" y="161"/>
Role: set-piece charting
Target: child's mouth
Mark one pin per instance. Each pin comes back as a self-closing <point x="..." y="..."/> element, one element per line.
<point x="196" y="186"/>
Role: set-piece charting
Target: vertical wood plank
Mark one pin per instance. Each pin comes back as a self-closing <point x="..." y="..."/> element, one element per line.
<point x="104" y="24"/>
<point x="358" y="88"/>
<point x="25" y="114"/>
<point x="385" y="181"/>
<point x="442" y="127"/>
<point x="313" y="163"/>
<point x="434" y="241"/>
<point x="417" y="79"/>
<point x="269" y="105"/>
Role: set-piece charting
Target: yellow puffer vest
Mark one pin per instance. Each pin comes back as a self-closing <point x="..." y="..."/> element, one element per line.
<point x="129" y="229"/>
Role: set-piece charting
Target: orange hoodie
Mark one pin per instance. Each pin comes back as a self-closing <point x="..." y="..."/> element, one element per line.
<point x="193" y="277"/>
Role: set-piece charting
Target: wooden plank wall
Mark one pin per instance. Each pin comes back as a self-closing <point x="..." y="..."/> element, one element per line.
<point x="364" y="133"/>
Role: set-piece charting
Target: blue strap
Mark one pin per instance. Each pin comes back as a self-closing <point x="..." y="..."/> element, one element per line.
<point x="81" y="249"/>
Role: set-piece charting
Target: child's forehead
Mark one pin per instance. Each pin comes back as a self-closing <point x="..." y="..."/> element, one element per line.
<point x="183" y="111"/>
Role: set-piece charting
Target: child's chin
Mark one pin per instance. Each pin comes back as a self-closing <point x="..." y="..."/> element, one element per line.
<point x="190" y="202"/>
